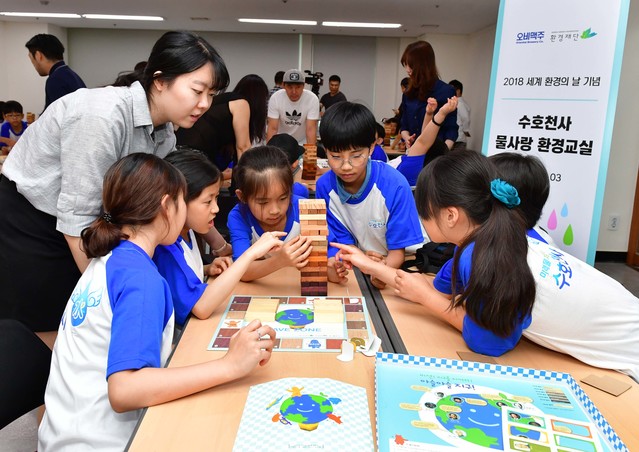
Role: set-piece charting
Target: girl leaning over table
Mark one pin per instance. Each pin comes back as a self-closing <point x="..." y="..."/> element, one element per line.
<point x="501" y="284"/>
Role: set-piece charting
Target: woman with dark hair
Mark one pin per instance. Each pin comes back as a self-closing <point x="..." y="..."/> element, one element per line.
<point x="235" y="121"/>
<point x="424" y="82"/>
<point x="52" y="181"/>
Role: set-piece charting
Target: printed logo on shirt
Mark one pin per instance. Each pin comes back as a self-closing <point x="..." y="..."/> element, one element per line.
<point x="376" y="224"/>
<point x="293" y="118"/>
<point x="82" y="301"/>
<point x="555" y="267"/>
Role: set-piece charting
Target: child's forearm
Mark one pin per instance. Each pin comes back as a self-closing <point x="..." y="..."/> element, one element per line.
<point x="134" y="389"/>
<point x="260" y="268"/>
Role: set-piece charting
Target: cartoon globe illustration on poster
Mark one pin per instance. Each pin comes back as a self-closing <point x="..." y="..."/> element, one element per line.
<point x="295" y="318"/>
<point x="472" y="419"/>
<point x="306" y="410"/>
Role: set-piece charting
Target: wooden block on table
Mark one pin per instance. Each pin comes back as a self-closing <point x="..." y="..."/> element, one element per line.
<point x="263" y="309"/>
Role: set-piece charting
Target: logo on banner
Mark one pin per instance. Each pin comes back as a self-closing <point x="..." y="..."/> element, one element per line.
<point x="537" y="37"/>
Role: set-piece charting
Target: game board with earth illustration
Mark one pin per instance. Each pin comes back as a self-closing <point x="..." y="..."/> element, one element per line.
<point x="435" y="405"/>
<point x="300" y="323"/>
<point x="305" y="414"/>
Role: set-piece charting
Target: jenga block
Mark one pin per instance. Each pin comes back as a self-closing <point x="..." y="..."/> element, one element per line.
<point x="263" y="309"/>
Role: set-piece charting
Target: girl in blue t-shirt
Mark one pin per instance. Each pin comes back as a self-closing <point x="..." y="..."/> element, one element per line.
<point x="264" y="181"/>
<point x="181" y="263"/>
<point x="487" y="290"/>
<point x="115" y="334"/>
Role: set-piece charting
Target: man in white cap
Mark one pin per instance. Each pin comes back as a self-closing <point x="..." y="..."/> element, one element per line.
<point x="294" y="110"/>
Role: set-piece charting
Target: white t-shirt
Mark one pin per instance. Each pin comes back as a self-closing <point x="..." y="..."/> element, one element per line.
<point x="119" y="317"/>
<point x="293" y="115"/>
<point x="582" y="312"/>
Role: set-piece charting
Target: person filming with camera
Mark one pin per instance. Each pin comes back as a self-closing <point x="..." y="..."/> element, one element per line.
<point x="294" y="110"/>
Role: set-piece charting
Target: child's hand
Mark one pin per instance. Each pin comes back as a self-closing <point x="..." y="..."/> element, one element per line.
<point x="411" y="286"/>
<point x="376" y="257"/>
<point x="248" y="347"/>
<point x="268" y="242"/>
<point x="351" y="256"/>
<point x="218" y="265"/>
<point x="431" y="105"/>
<point x="337" y="271"/>
<point x="295" y="252"/>
<point x="449" y="106"/>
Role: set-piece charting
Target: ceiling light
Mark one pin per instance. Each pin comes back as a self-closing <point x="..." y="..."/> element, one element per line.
<point x="360" y="25"/>
<point x="279" y="21"/>
<point x="120" y="17"/>
<point x="53" y="15"/>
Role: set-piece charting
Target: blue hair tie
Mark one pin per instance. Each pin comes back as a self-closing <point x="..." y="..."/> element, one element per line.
<point x="505" y="193"/>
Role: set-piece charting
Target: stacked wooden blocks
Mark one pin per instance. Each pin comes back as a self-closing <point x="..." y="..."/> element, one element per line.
<point x="327" y="310"/>
<point x="309" y="163"/>
<point x="263" y="309"/>
<point x="313" y="224"/>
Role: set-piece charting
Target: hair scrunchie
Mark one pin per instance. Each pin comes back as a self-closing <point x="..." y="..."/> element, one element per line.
<point x="106" y="216"/>
<point x="505" y="193"/>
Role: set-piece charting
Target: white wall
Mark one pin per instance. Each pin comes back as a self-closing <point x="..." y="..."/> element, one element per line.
<point x="98" y="55"/>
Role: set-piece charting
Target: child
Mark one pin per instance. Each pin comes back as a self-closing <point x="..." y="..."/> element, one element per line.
<point x="264" y="184"/>
<point x="294" y="153"/>
<point x="14" y="127"/>
<point x="502" y="284"/>
<point x="427" y="146"/>
<point x="181" y="263"/>
<point x="529" y="176"/>
<point x="378" y="151"/>
<point x="115" y="334"/>
<point x="368" y="203"/>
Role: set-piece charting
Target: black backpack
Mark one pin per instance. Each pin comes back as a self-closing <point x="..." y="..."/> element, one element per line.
<point x="429" y="258"/>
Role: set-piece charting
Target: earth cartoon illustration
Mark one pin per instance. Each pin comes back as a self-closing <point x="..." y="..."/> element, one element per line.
<point x="295" y="318"/>
<point x="476" y="417"/>
<point x="306" y="410"/>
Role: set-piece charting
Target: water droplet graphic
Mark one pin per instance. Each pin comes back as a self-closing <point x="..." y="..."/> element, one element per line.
<point x="564" y="210"/>
<point x="552" y="220"/>
<point x="569" y="237"/>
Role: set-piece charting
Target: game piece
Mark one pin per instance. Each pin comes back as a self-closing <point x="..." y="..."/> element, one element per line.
<point x="313" y="277"/>
<point x="309" y="162"/>
<point x="348" y="352"/>
<point x="295" y="322"/>
<point x="263" y="309"/>
<point x="607" y="384"/>
<point x="435" y="404"/>
<point x="305" y="414"/>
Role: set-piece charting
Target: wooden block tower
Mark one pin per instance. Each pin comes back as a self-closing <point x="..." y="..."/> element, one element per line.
<point x="309" y="162"/>
<point x="313" y="224"/>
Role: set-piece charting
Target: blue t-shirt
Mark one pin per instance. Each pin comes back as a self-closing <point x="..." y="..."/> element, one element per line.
<point x="410" y="166"/>
<point x="414" y="110"/>
<point x="300" y="190"/>
<point x="382" y="218"/>
<point x="379" y="154"/>
<point x="7" y="131"/>
<point x="477" y="338"/>
<point x="245" y="229"/>
<point x="186" y="287"/>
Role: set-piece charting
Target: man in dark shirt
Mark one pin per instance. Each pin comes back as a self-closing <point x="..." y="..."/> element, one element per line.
<point x="334" y="95"/>
<point x="46" y="54"/>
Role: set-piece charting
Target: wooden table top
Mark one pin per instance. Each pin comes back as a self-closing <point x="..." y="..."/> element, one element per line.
<point x="210" y="419"/>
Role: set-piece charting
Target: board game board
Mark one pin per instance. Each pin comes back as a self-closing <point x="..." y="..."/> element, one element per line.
<point x="433" y="404"/>
<point x="305" y="414"/>
<point x="300" y="323"/>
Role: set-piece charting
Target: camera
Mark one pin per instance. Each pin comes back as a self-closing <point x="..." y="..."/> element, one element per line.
<point x="315" y="80"/>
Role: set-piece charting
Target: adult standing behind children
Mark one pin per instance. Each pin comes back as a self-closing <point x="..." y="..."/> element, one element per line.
<point x="334" y="95"/>
<point x="52" y="180"/>
<point x="463" y="117"/>
<point x="424" y="82"/>
<point x="294" y="110"/>
<point x="46" y="53"/>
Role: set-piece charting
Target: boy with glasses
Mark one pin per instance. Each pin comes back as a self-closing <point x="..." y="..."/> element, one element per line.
<point x="13" y="127"/>
<point x="369" y="204"/>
